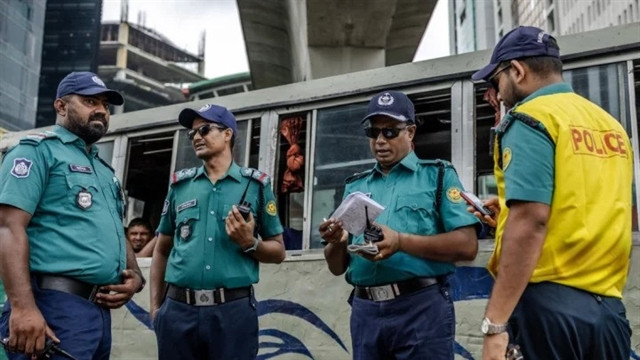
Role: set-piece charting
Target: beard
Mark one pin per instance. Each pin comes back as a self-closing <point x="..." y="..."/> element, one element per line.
<point x="88" y="131"/>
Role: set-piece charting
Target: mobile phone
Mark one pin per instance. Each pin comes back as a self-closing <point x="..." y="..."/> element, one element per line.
<point x="473" y="200"/>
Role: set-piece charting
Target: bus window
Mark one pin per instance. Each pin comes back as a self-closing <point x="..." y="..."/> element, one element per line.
<point x="433" y="115"/>
<point x="341" y="149"/>
<point x="147" y="175"/>
<point x="290" y="180"/>
<point x="487" y="115"/>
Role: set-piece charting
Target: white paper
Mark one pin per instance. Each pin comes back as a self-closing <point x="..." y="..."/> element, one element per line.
<point x="351" y="212"/>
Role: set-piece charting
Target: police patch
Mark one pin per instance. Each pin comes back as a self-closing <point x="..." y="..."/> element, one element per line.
<point x="271" y="208"/>
<point x="185" y="232"/>
<point x="453" y="194"/>
<point x="21" y="167"/>
<point x="84" y="199"/>
<point x="165" y="207"/>
<point x="506" y="158"/>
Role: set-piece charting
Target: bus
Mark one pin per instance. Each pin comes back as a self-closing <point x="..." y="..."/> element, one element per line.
<point x="303" y="308"/>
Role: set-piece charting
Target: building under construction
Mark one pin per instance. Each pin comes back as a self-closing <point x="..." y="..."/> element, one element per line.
<point x="145" y="66"/>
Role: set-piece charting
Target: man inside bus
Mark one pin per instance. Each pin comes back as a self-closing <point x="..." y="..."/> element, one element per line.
<point x="401" y="303"/>
<point x="564" y="172"/>
<point x="218" y="222"/>
<point x="139" y="234"/>
<point x="64" y="257"/>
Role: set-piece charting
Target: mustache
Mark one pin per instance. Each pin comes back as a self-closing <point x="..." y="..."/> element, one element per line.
<point x="98" y="117"/>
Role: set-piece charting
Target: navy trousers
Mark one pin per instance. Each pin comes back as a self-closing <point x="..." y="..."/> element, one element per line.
<point x="419" y="325"/>
<point x="227" y="331"/>
<point x="84" y="328"/>
<point x="554" y="321"/>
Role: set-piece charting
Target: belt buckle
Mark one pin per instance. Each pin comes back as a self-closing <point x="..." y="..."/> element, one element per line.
<point x="381" y="293"/>
<point x="203" y="298"/>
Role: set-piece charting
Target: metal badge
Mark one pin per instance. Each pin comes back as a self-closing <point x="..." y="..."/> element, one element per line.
<point x="84" y="199"/>
<point x="185" y="232"/>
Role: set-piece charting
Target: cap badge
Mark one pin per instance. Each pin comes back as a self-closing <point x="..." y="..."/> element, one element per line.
<point x="98" y="81"/>
<point x="205" y="108"/>
<point x="385" y="99"/>
<point x="541" y="36"/>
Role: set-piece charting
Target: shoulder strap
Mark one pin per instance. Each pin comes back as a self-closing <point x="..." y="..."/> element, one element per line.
<point x="357" y="176"/>
<point x="182" y="175"/>
<point x="36" y="139"/>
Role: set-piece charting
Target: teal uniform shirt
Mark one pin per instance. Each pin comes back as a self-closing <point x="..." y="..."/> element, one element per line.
<point x="203" y="255"/>
<point x="530" y="179"/>
<point x="76" y="204"/>
<point x="408" y="193"/>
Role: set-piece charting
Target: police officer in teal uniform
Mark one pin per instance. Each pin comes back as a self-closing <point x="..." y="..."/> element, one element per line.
<point x="207" y="254"/>
<point x="401" y="303"/>
<point x="64" y="257"/>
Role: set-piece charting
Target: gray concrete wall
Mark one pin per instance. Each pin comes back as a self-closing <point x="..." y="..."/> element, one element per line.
<point x="307" y="306"/>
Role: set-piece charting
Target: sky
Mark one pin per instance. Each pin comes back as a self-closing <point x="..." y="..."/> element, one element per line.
<point x="183" y="21"/>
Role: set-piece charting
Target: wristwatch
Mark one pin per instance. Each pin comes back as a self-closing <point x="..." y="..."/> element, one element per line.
<point x="489" y="328"/>
<point x="144" y="282"/>
<point x="252" y="248"/>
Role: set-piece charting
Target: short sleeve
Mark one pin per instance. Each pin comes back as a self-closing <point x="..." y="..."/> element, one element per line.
<point x="23" y="176"/>
<point x="453" y="208"/>
<point x="529" y="171"/>
<point x="271" y="225"/>
<point x="167" y="217"/>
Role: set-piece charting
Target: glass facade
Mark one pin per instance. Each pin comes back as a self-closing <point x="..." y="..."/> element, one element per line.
<point x="71" y="43"/>
<point x="21" y="29"/>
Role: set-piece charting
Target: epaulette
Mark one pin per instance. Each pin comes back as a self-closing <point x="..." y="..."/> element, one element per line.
<point x="357" y="176"/>
<point x="256" y="174"/>
<point x="183" y="174"/>
<point x="504" y="124"/>
<point x="436" y="162"/>
<point x="36" y="139"/>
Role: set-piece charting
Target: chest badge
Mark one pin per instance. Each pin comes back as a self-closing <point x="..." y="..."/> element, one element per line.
<point x="185" y="232"/>
<point x="84" y="199"/>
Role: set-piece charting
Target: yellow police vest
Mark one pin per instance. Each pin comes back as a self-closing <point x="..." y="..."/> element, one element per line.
<point x="588" y="239"/>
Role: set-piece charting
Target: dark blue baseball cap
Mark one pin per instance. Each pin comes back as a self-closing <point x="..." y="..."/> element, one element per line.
<point x="211" y="113"/>
<point x="393" y="104"/>
<point x="521" y="42"/>
<point x="87" y="83"/>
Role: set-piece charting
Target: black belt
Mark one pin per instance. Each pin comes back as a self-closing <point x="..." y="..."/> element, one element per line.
<point x="393" y="290"/>
<point x="67" y="285"/>
<point x="206" y="297"/>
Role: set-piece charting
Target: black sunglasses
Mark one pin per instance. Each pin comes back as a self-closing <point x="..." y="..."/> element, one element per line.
<point x="492" y="79"/>
<point x="203" y="130"/>
<point x="388" y="133"/>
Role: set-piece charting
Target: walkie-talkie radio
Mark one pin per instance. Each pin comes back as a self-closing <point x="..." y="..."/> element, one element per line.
<point x="372" y="233"/>
<point x="244" y="207"/>
<point x="50" y="349"/>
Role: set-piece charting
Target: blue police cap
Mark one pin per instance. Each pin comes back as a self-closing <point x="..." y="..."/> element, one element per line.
<point x="521" y="42"/>
<point x="211" y="113"/>
<point x="87" y="83"/>
<point x="393" y="104"/>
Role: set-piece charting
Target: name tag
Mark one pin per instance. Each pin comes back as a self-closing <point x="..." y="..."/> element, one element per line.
<point x="186" y="205"/>
<point x="80" y="169"/>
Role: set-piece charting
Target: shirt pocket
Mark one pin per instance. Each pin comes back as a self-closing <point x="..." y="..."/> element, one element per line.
<point x="187" y="223"/>
<point x="83" y="192"/>
<point x="416" y="214"/>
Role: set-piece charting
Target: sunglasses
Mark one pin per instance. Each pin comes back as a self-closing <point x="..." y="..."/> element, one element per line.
<point x="203" y="130"/>
<point x="493" y="81"/>
<point x="388" y="133"/>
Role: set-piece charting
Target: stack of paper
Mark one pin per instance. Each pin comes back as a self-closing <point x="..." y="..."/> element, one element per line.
<point x="352" y="212"/>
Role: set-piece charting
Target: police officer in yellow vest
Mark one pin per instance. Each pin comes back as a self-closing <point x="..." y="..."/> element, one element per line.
<point x="563" y="167"/>
<point x="207" y="254"/>
<point x="64" y="257"/>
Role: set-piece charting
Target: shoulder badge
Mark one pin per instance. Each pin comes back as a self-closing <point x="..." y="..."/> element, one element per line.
<point x="436" y="162"/>
<point x="255" y="174"/>
<point x="357" y="176"/>
<point x="36" y="139"/>
<point x="21" y="168"/>
<point x="183" y="174"/>
<point x="453" y="194"/>
<point x="504" y="124"/>
<point x="506" y="158"/>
